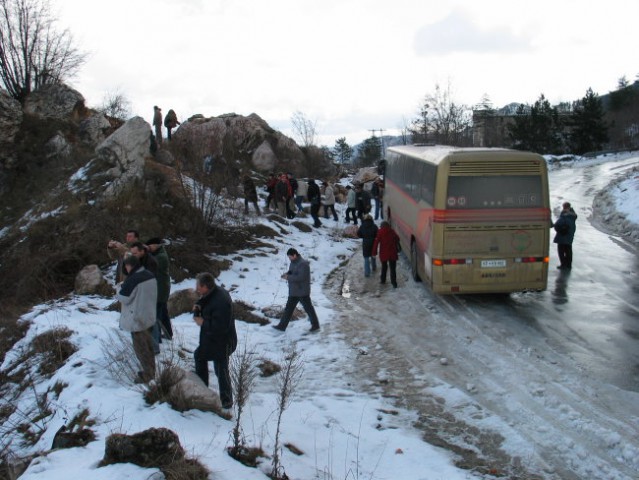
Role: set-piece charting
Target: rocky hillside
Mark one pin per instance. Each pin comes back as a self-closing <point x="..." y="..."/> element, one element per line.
<point x="71" y="179"/>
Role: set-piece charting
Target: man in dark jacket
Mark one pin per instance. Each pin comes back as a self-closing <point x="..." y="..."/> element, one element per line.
<point x="565" y="226"/>
<point x="367" y="232"/>
<point x="170" y="122"/>
<point x="299" y="291"/>
<point x="156" y="247"/>
<point x="250" y="194"/>
<point x="213" y="312"/>
<point x="315" y="198"/>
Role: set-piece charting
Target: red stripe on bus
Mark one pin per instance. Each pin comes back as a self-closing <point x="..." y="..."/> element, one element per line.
<point x="492" y="215"/>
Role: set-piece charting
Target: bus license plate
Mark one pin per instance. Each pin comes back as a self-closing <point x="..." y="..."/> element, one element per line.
<point x="493" y="264"/>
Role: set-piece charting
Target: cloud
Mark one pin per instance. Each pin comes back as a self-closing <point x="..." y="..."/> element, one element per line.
<point x="457" y="34"/>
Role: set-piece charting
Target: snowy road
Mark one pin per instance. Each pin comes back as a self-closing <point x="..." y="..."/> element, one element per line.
<point x="534" y="385"/>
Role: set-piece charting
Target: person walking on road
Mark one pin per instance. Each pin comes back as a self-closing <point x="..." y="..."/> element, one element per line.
<point x="299" y="291"/>
<point x="368" y="232"/>
<point x="387" y="243"/>
<point x="565" y="226"/>
<point x="213" y="313"/>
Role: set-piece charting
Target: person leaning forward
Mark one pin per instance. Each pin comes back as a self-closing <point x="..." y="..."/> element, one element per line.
<point x="213" y="313"/>
<point x="299" y="291"/>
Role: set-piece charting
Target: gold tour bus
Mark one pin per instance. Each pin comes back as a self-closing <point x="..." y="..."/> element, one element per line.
<point x="471" y="220"/>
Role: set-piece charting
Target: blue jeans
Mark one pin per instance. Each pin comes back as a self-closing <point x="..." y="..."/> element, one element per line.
<point x="379" y="208"/>
<point x="368" y="263"/>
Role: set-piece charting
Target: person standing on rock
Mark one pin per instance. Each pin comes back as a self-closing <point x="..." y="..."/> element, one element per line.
<point x="170" y="122"/>
<point x="299" y="291"/>
<point x="138" y="296"/>
<point x="213" y="313"/>
<point x="157" y="124"/>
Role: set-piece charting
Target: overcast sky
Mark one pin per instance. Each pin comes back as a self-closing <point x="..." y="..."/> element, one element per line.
<point x="349" y="65"/>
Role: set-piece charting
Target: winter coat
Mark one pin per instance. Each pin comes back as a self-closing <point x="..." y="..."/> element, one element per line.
<point x="218" y="337"/>
<point x="270" y="184"/>
<point x="250" y="193"/>
<point x="282" y="190"/>
<point x="569" y="219"/>
<point x="150" y="263"/>
<point x="367" y="232"/>
<point x="387" y="242"/>
<point x="170" y="120"/>
<point x="313" y="193"/>
<point x="302" y="188"/>
<point x="163" y="278"/>
<point x="157" y="118"/>
<point x="329" y="195"/>
<point x="138" y="296"/>
<point x="351" y="199"/>
<point x="299" y="278"/>
<point x="363" y="201"/>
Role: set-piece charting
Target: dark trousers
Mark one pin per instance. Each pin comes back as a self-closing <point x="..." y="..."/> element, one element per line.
<point x="565" y="255"/>
<point x="314" y="213"/>
<point x="349" y="212"/>
<point x="143" y="348"/>
<point x="330" y="207"/>
<point x="246" y="204"/>
<point x="221" y="369"/>
<point x="291" y="303"/>
<point x="393" y="272"/>
<point x="162" y="314"/>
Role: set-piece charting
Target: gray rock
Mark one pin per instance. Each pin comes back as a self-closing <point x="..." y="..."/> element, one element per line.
<point x="191" y="393"/>
<point x="55" y="101"/>
<point x="90" y="281"/>
<point x="58" y="147"/>
<point x="264" y="158"/>
<point x="125" y="152"/>
<point x="93" y="129"/>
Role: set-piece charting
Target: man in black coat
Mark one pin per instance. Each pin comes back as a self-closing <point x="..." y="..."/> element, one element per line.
<point x="565" y="226"/>
<point x="213" y="312"/>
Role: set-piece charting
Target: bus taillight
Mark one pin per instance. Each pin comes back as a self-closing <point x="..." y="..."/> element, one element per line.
<point x="452" y="261"/>
<point x="531" y="259"/>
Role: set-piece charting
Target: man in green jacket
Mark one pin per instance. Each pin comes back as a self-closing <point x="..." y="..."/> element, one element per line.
<point x="156" y="247"/>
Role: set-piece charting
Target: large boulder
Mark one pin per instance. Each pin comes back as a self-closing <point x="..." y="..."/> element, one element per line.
<point x="10" y="121"/>
<point x="248" y="140"/>
<point x="56" y="101"/>
<point x="93" y="129"/>
<point x="124" y="153"/>
<point x="90" y="281"/>
<point x="190" y="393"/>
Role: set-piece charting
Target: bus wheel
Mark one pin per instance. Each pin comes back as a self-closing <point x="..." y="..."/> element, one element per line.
<point x="413" y="261"/>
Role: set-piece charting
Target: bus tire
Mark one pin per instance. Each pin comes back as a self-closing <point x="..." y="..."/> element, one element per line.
<point x="413" y="261"/>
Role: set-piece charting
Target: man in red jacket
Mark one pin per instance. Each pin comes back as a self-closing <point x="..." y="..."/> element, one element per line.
<point x="387" y="241"/>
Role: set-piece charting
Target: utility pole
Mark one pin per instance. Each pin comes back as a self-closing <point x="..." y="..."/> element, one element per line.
<point x="381" y="136"/>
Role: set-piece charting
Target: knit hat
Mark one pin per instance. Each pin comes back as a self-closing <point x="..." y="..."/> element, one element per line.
<point x="155" y="241"/>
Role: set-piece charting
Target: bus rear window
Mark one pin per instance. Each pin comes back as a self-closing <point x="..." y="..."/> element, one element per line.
<point x="512" y="191"/>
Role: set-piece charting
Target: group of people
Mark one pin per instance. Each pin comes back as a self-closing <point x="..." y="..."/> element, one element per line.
<point x="170" y="122"/>
<point x="145" y="284"/>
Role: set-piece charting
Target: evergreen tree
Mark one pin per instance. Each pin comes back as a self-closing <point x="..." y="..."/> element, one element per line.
<point x="370" y="152"/>
<point x="343" y="151"/>
<point x="539" y="130"/>
<point x="589" y="129"/>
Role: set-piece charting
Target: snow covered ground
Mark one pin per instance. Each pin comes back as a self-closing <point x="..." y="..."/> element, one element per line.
<point x="347" y="426"/>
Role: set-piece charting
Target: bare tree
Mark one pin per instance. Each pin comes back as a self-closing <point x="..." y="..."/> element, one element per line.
<point x="443" y="120"/>
<point x="304" y="128"/>
<point x="32" y="52"/>
<point x="116" y="105"/>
